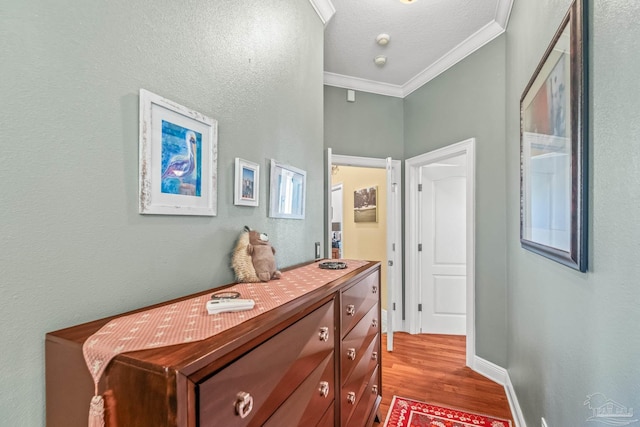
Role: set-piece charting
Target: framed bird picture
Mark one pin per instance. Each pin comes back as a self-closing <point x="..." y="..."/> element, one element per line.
<point x="178" y="159"/>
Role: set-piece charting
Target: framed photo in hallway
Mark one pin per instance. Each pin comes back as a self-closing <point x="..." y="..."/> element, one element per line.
<point x="365" y="208"/>
<point x="287" y="191"/>
<point x="553" y="136"/>
<point x="247" y="183"/>
<point x="178" y="150"/>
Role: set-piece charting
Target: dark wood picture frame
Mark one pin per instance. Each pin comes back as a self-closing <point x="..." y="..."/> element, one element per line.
<point x="553" y="148"/>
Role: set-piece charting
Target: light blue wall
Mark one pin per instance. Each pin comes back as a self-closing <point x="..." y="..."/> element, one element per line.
<point x="467" y="101"/>
<point x="73" y="247"/>
<point x="573" y="334"/>
<point x="372" y="126"/>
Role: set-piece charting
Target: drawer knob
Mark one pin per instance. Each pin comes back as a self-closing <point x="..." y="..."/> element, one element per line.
<point x="324" y="388"/>
<point x="374" y="323"/>
<point x="324" y="334"/>
<point x="374" y="289"/>
<point x="374" y="355"/>
<point x="351" y="353"/>
<point x="351" y="397"/>
<point x="244" y="404"/>
<point x="351" y="310"/>
<point x="374" y="389"/>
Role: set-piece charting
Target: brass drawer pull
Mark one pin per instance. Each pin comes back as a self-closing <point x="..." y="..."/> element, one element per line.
<point x="351" y="310"/>
<point x="351" y="353"/>
<point x="374" y="323"/>
<point x="324" y="334"/>
<point x="244" y="404"/>
<point x="351" y="397"/>
<point x="324" y="388"/>
<point x="374" y="355"/>
<point x="374" y="289"/>
<point x="374" y="389"/>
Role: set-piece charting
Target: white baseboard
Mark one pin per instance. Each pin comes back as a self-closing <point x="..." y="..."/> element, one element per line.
<point x="384" y="321"/>
<point x="513" y="403"/>
<point x="501" y="376"/>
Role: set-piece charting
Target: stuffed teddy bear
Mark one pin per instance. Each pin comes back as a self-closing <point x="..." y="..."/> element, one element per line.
<point x="253" y="258"/>
<point x="262" y="256"/>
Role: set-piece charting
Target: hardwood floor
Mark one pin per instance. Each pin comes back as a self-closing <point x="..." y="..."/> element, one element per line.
<point x="431" y="368"/>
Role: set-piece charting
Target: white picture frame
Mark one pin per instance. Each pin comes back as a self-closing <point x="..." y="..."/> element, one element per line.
<point x="287" y="191"/>
<point x="178" y="150"/>
<point x="247" y="183"/>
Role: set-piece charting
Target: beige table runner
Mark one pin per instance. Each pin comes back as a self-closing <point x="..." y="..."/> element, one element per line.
<point x="188" y="321"/>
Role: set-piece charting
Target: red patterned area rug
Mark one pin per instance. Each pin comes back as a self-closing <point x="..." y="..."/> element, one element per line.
<point x="411" y="413"/>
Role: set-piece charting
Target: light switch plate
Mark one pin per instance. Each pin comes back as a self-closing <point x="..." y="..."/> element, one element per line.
<point x="317" y="250"/>
<point x="351" y="95"/>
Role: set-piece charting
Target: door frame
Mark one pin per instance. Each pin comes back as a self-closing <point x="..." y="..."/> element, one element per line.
<point x="394" y="229"/>
<point x="412" y="266"/>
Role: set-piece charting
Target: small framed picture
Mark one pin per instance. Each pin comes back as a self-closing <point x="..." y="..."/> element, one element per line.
<point x="287" y="191"/>
<point x="178" y="159"/>
<point x="365" y="204"/>
<point x="247" y="183"/>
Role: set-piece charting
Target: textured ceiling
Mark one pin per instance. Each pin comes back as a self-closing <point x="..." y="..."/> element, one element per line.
<point x="426" y="38"/>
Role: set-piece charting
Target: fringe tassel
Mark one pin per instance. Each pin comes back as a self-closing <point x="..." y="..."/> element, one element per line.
<point x="96" y="411"/>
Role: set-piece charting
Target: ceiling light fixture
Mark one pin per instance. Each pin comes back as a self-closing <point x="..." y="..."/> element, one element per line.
<point x="382" y="39"/>
<point x="407" y="1"/>
<point x="380" y="60"/>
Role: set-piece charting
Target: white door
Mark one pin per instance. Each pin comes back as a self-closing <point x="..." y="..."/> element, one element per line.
<point x="443" y="256"/>
<point x="336" y="217"/>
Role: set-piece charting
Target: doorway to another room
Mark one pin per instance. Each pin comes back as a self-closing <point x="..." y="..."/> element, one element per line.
<point x="440" y="242"/>
<point x="364" y="223"/>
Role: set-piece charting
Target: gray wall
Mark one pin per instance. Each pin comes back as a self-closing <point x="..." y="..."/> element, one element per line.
<point x="370" y="127"/>
<point x="73" y="247"/>
<point x="573" y="334"/>
<point x="468" y="102"/>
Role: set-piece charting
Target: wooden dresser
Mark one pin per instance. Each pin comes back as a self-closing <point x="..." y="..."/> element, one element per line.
<point x="314" y="361"/>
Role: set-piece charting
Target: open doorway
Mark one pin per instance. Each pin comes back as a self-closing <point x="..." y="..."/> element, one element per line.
<point x="440" y="242"/>
<point x="372" y="207"/>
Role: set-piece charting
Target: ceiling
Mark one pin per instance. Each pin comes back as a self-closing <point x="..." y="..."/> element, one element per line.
<point x="426" y="38"/>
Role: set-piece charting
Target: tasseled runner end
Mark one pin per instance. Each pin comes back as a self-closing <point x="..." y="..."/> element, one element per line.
<point x="96" y="411"/>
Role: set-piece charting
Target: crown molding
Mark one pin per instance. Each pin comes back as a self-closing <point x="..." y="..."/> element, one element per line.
<point x="324" y="9"/>
<point x="503" y="11"/>
<point x="363" y="85"/>
<point x="474" y="42"/>
<point x="455" y="55"/>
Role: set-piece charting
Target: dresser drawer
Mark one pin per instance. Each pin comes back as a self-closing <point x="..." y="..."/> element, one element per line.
<point x="358" y="300"/>
<point x="360" y="342"/>
<point x="354" y="388"/>
<point x="328" y="418"/>
<point x="249" y="390"/>
<point x="310" y="401"/>
<point x="363" y="408"/>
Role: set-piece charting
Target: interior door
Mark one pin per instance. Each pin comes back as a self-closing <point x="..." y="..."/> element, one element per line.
<point x="443" y="255"/>
<point x="392" y="194"/>
<point x="336" y="220"/>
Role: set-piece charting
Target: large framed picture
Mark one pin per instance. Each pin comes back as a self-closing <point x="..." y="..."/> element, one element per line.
<point x="246" y="183"/>
<point x="287" y="191"/>
<point x="553" y="138"/>
<point x="365" y="204"/>
<point x="178" y="159"/>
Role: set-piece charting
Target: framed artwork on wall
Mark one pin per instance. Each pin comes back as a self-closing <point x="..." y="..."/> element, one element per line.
<point x="178" y="159"/>
<point x="553" y="138"/>
<point x="287" y="191"/>
<point x="247" y="183"/>
<point x="365" y="204"/>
